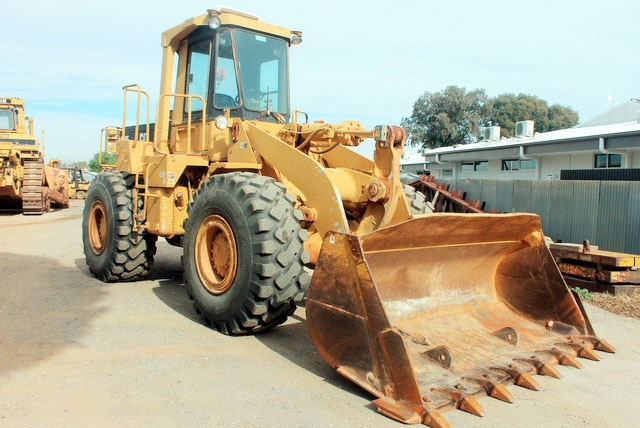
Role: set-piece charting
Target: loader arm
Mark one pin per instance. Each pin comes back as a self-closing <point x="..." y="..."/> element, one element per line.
<point x="307" y="175"/>
<point x="323" y="189"/>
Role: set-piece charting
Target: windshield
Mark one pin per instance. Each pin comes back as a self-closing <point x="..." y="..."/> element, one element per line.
<point x="6" y="119"/>
<point x="262" y="65"/>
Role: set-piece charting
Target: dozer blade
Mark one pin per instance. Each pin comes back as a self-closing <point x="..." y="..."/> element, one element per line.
<point x="431" y="313"/>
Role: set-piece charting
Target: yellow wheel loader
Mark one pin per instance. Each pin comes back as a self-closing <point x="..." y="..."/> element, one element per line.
<point x="26" y="183"/>
<point x="78" y="184"/>
<point x="426" y="312"/>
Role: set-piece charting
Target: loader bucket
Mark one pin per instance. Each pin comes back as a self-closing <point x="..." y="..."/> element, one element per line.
<point x="431" y="313"/>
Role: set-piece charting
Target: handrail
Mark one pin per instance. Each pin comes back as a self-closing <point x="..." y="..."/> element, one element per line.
<point x="190" y="98"/>
<point x="136" y="88"/>
<point x="104" y="136"/>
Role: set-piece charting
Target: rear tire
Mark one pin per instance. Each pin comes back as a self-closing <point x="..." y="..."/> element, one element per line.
<point x="243" y="253"/>
<point x="113" y="251"/>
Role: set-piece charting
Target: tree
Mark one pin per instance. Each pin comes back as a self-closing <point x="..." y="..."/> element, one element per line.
<point x="453" y="116"/>
<point x="509" y="109"/>
<point x="80" y="164"/>
<point x="107" y="158"/>
<point x="561" y="117"/>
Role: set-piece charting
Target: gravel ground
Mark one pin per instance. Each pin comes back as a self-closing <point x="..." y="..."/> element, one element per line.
<point x="623" y="304"/>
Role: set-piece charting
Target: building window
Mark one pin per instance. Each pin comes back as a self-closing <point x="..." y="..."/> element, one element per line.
<point x="475" y="166"/>
<point x="481" y="165"/>
<point x="510" y="164"/>
<point x="467" y="166"/>
<point x="447" y="173"/>
<point x="516" y="164"/>
<point x="607" y="161"/>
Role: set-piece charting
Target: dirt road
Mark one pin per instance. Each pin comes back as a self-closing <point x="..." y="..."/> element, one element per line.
<point x="75" y="352"/>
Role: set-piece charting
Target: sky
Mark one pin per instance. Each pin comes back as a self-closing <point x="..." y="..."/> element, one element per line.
<point x="365" y="60"/>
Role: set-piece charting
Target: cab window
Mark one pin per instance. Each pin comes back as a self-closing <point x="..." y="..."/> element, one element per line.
<point x="198" y="73"/>
<point x="6" y="119"/>
<point x="226" y="81"/>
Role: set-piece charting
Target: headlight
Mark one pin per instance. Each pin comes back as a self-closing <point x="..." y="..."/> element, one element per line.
<point x="214" y="22"/>
<point x="221" y="122"/>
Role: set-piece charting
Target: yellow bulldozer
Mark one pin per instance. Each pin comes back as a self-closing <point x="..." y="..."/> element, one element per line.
<point x="26" y="183"/>
<point x="426" y="311"/>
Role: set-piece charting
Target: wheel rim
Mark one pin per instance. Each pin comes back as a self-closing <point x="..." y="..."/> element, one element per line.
<point x="216" y="256"/>
<point x="97" y="226"/>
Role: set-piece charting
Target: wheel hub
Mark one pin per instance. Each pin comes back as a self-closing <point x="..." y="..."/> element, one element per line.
<point x="97" y="226"/>
<point x="216" y="256"/>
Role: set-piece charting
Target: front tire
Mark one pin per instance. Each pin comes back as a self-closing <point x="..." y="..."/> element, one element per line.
<point x="113" y="251"/>
<point x="243" y="253"/>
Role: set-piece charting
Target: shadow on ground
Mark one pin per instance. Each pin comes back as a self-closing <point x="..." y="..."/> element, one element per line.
<point x="43" y="309"/>
<point x="292" y="341"/>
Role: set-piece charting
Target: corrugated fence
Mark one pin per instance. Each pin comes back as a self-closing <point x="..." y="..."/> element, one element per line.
<point x="607" y="213"/>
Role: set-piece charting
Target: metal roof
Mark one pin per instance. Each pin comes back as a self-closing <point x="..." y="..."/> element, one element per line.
<point x="621" y="136"/>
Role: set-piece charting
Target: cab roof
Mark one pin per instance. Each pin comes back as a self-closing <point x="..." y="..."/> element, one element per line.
<point x="227" y="16"/>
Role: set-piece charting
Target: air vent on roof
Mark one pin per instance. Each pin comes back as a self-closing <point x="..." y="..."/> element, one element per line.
<point x="524" y="128"/>
<point x="491" y="133"/>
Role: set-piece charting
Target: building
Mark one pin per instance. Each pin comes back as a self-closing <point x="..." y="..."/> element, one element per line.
<point x="539" y="156"/>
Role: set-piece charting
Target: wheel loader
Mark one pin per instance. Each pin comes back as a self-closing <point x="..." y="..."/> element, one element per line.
<point x="78" y="184"/>
<point x="26" y="183"/>
<point x="425" y="311"/>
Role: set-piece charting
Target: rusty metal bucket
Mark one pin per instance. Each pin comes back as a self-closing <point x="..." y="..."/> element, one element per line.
<point x="430" y="313"/>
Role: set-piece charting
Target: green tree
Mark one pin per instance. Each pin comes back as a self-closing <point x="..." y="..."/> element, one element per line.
<point x="453" y="116"/>
<point x="561" y="117"/>
<point x="107" y="158"/>
<point x="509" y="109"/>
<point x="79" y="164"/>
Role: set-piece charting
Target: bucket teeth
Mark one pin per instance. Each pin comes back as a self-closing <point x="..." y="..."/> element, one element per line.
<point x="541" y="367"/>
<point x="599" y="344"/>
<point x="501" y="392"/>
<point x="583" y="347"/>
<point x="603" y="345"/>
<point x="462" y="396"/>
<point x="586" y="352"/>
<point x="470" y="405"/>
<point x="492" y="386"/>
<point x="564" y="358"/>
<point x="520" y="377"/>
<point x="435" y="420"/>
<point x="394" y="410"/>
<point x="549" y="370"/>
<point x="525" y="380"/>
<point x="568" y="360"/>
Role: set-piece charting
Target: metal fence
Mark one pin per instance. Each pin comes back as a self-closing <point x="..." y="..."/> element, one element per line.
<point x="607" y="213"/>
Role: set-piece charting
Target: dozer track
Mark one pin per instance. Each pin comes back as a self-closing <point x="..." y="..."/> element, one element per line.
<point x="33" y="198"/>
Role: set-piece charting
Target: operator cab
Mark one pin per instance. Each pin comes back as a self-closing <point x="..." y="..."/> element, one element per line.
<point x="239" y="69"/>
<point x="9" y="117"/>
